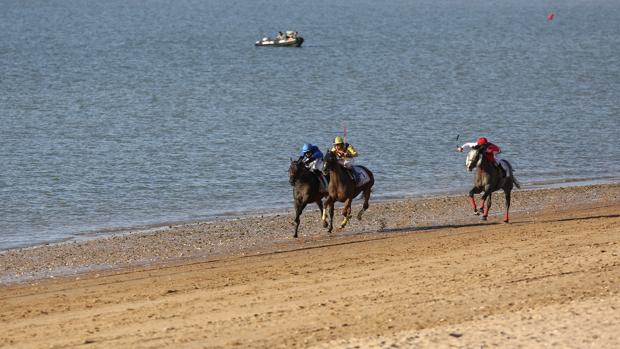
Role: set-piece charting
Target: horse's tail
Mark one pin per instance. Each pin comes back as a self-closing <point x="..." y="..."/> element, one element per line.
<point x="516" y="182"/>
<point x="512" y="175"/>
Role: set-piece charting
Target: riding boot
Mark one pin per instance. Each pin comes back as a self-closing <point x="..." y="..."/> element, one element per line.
<point x="322" y="180"/>
<point x="501" y="169"/>
<point x="506" y="168"/>
<point x="325" y="182"/>
<point x="351" y="175"/>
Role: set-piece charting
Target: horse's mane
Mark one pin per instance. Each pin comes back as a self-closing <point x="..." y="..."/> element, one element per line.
<point x="479" y="149"/>
<point x="300" y="167"/>
<point x="330" y="156"/>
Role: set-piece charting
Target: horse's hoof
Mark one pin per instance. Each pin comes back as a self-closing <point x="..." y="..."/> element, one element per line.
<point x="483" y="218"/>
<point x="325" y="224"/>
<point x="477" y="213"/>
<point x="506" y="221"/>
<point x="295" y="236"/>
<point x="345" y="221"/>
<point x="359" y="216"/>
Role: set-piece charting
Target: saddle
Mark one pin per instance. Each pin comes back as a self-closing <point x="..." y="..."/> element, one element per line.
<point x="502" y="168"/>
<point x="360" y="176"/>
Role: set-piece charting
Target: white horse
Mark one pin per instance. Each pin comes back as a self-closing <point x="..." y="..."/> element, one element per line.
<point x="489" y="178"/>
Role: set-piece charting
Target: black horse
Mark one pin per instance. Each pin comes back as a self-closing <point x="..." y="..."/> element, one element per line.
<point x="306" y="189"/>
<point x="489" y="178"/>
<point x="342" y="188"/>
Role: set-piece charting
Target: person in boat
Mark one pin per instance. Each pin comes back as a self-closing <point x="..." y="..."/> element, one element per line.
<point x="346" y="154"/>
<point x="491" y="152"/>
<point x="280" y="36"/>
<point x="312" y="157"/>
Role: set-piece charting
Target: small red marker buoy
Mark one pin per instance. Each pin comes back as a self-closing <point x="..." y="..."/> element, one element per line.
<point x="551" y="16"/>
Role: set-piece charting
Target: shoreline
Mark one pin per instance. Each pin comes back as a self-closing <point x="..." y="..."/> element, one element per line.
<point x="94" y="234"/>
<point x="208" y="240"/>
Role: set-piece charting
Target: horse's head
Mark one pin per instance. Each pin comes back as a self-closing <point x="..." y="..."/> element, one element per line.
<point x="474" y="158"/>
<point x="294" y="171"/>
<point x="329" y="161"/>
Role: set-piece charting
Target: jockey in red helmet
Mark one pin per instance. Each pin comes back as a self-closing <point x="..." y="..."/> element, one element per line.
<point x="491" y="152"/>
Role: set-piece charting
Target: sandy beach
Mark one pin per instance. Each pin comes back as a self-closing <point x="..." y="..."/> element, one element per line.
<point x="419" y="272"/>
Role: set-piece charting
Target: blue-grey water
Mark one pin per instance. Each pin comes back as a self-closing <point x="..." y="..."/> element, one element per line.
<point x="128" y="113"/>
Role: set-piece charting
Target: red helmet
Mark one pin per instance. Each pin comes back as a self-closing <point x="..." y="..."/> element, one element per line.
<point x="482" y="140"/>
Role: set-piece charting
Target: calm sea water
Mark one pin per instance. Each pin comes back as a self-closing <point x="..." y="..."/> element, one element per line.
<point x="128" y="113"/>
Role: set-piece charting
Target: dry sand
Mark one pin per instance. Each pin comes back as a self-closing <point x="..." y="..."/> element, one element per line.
<point x="413" y="273"/>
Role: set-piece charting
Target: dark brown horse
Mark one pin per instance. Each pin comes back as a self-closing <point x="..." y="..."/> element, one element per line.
<point x="343" y="189"/>
<point x="489" y="178"/>
<point x="306" y="189"/>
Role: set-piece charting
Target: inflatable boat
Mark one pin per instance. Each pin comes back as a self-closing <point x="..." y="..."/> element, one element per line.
<point x="287" y="39"/>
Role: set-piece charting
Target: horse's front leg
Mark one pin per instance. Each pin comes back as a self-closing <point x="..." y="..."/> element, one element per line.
<point x="319" y="202"/>
<point x="299" y="207"/>
<point x="346" y="212"/>
<point x="328" y="202"/>
<point x="331" y="217"/>
<point x="472" y="192"/>
<point x="487" y="199"/>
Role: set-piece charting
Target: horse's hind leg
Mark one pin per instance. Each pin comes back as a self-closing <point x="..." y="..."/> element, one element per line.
<point x="365" y="207"/>
<point x="506" y="218"/>
<point x="346" y="212"/>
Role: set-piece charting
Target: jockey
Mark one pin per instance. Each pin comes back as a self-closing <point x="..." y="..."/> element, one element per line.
<point x="490" y="151"/>
<point x="344" y="151"/>
<point x="346" y="154"/>
<point x="311" y="157"/>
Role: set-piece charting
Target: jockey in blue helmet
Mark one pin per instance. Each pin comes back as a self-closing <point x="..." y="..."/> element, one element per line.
<point x="312" y="157"/>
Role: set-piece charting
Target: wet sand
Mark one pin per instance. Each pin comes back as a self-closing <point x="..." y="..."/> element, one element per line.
<point x="420" y="272"/>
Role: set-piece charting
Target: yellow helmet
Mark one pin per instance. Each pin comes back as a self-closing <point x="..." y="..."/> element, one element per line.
<point x="338" y="140"/>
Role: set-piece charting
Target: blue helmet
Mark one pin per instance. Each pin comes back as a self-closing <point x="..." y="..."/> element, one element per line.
<point x="305" y="148"/>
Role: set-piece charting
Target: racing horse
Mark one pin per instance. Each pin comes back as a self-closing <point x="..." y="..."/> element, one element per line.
<point x="489" y="178"/>
<point x="343" y="189"/>
<point x="306" y="189"/>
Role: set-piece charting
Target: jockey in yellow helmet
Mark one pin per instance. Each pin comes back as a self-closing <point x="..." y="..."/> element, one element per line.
<point x="344" y="151"/>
